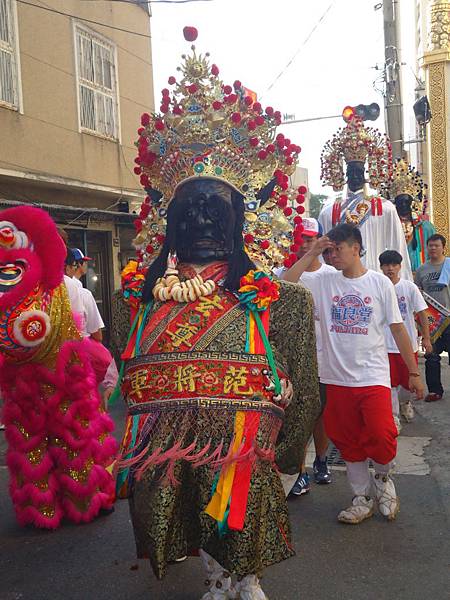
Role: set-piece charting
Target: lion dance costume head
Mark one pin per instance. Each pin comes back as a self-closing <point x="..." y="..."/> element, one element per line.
<point x="58" y="438"/>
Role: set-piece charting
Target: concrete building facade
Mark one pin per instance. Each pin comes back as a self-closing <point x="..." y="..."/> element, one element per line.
<point x="74" y="79"/>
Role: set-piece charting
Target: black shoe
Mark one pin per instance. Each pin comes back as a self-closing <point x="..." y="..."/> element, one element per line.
<point x="301" y="486"/>
<point x="322" y="473"/>
<point x="104" y="512"/>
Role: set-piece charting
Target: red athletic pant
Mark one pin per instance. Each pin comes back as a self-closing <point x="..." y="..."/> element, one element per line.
<point x="399" y="370"/>
<point x="359" y="422"/>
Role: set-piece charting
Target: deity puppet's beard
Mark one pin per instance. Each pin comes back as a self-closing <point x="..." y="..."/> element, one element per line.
<point x="203" y="250"/>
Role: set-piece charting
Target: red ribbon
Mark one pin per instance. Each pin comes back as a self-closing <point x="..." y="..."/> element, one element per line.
<point x="336" y="213"/>
<point x="377" y="207"/>
<point x="243" y="473"/>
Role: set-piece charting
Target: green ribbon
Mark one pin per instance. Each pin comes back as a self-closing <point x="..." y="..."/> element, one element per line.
<point x="116" y="392"/>
<point x="141" y="328"/>
<point x="269" y="353"/>
<point x="122" y="475"/>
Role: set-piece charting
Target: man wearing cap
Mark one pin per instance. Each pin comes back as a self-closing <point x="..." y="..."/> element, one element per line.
<point x="76" y="301"/>
<point x="312" y="230"/>
<point x="92" y="320"/>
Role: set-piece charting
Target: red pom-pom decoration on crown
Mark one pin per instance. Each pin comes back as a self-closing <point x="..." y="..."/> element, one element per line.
<point x="190" y="33"/>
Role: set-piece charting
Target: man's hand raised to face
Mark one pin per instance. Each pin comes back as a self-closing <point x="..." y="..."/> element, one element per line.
<point x="320" y="245"/>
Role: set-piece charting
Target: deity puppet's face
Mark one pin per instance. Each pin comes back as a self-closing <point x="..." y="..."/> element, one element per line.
<point x="205" y="221"/>
<point x="403" y="205"/>
<point x="355" y="175"/>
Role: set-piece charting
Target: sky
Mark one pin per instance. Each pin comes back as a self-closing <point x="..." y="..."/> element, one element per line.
<point x="336" y="44"/>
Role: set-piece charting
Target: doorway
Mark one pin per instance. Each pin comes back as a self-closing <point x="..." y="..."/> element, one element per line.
<point x="97" y="245"/>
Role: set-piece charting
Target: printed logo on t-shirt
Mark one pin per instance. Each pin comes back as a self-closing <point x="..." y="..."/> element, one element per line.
<point x="402" y="306"/>
<point x="432" y="276"/>
<point x="350" y="314"/>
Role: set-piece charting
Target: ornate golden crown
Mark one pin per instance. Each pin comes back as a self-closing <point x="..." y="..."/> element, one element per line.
<point x="208" y="129"/>
<point x="355" y="142"/>
<point x="406" y="180"/>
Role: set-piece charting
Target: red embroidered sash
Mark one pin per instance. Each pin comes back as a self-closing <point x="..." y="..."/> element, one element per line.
<point x="216" y="380"/>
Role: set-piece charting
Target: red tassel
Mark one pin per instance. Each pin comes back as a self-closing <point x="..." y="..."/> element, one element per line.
<point x="336" y="213"/>
<point x="377" y="207"/>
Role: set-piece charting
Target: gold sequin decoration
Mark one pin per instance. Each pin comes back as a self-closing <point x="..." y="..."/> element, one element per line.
<point x="62" y="328"/>
<point x="42" y="484"/>
<point x="35" y="456"/>
<point x="47" y="511"/>
<point x="82" y="475"/>
<point x="64" y="406"/>
<point x="22" y="430"/>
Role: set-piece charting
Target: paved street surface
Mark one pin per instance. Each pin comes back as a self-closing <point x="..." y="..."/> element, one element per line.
<point x="408" y="559"/>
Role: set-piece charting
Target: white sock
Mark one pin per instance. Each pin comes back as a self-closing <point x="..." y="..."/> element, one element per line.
<point x="395" y="402"/>
<point x="383" y="469"/>
<point x="358" y="477"/>
<point x="404" y="396"/>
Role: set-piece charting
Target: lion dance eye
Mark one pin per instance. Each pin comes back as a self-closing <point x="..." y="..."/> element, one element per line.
<point x="7" y="237"/>
<point x="11" y="237"/>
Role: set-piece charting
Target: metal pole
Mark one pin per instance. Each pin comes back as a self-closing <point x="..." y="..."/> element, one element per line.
<point x="394" y="116"/>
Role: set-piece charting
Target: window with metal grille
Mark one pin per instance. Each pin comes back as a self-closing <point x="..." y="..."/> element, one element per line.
<point x="97" y="84"/>
<point x="9" y="95"/>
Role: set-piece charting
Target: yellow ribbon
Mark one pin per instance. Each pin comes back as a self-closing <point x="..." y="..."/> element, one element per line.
<point x="218" y="504"/>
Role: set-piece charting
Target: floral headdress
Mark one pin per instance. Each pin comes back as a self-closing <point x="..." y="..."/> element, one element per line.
<point x="356" y="142"/>
<point x="208" y="129"/>
<point x="406" y="180"/>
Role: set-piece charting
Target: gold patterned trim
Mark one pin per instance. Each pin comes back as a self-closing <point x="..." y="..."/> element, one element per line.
<point x="220" y="325"/>
<point x="439" y="35"/>
<point x="439" y="146"/>
<point x="161" y="326"/>
<point x="196" y="355"/>
<point x="230" y="404"/>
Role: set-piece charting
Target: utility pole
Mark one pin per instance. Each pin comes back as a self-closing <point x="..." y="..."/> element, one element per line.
<point x="394" y="114"/>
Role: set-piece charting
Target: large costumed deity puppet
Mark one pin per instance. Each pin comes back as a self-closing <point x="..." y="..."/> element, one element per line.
<point x="408" y="191"/>
<point x="356" y="145"/>
<point x="221" y="375"/>
<point x="59" y="440"/>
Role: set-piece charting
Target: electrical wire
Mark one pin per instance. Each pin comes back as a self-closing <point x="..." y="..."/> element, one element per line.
<point x="297" y="52"/>
<point x="146" y="62"/>
<point x="150" y="1"/>
<point x="27" y="170"/>
<point x="72" y="75"/>
<point x="72" y="16"/>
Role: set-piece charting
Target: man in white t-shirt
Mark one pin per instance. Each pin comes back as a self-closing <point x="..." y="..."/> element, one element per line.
<point x="354" y="307"/>
<point x="411" y="305"/>
<point x="92" y="320"/>
<point x="73" y="289"/>
<point x="312" y="230"/>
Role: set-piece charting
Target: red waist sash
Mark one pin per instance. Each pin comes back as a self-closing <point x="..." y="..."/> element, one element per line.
<point x="215" y="380"/>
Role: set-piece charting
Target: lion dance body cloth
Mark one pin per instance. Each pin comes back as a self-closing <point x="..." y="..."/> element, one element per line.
<point x="59" y="442"/>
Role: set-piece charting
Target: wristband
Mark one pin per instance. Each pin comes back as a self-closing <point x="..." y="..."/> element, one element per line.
<point x="414" y="374"/>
